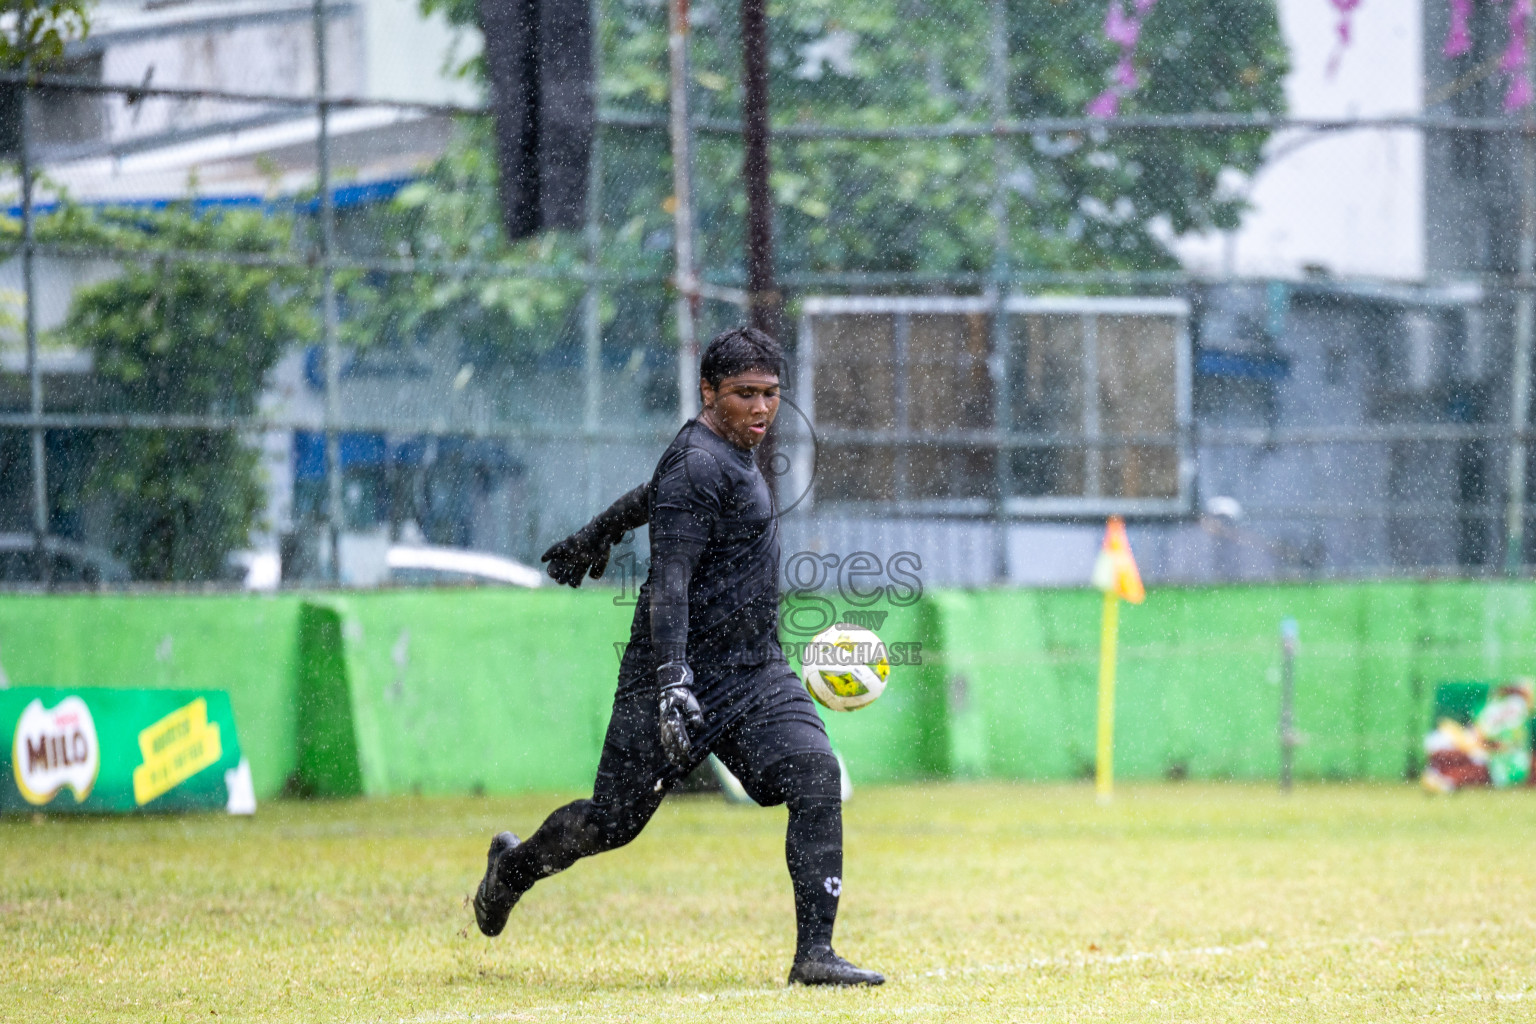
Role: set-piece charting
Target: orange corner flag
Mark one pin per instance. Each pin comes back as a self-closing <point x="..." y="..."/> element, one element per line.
<point x="1115" y="571"/>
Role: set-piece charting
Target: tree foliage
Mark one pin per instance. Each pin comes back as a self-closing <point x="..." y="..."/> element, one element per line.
<point x="1075" y="200"/>
<point x="39" y="29"/>
<point x="449" y="218"/>
<point x="191" y="337"/>
<point x="1086" y="200"/>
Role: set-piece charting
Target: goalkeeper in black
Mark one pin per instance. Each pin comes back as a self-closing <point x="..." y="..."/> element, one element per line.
<point x="703" y="672"/>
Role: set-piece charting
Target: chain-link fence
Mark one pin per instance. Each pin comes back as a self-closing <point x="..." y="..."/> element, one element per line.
<point x="273" y="332"/>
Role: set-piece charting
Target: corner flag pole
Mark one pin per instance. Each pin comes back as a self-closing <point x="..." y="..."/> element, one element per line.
<point x="1104" y="777"/>
<point x="1116" y="574"/>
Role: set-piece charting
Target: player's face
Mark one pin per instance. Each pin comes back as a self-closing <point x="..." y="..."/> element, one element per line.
<point x="743" y="407"/>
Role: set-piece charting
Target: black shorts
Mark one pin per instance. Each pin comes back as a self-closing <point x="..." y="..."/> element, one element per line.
<point x="777" y="719"/>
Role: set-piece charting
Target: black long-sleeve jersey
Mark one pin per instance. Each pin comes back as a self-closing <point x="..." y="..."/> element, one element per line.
<point x="712" y="595"/>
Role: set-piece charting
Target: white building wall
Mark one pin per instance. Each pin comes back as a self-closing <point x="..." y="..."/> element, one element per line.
<point x="380" y="49"/>
<point x="1348" y="203"/>
<point x="412" y="57"/>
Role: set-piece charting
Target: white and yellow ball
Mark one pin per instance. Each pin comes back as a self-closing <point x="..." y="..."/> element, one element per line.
<point x="845" y="667"/>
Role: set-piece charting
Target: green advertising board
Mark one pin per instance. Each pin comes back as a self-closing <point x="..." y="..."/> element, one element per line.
<point x="89" y="750"/>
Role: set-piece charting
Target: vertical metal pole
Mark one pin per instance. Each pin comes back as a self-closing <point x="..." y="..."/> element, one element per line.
<point x="765" y="304"/>
<point x="1289" y="633"/>
<point x="1093" y="454"/>
<point x="591" y="311"/>
<point x="901" y="345"/>
<point x="1002" y="165"/>
<point x="803" y="469"/>
<point x="29" y="318"/>
<point x="1520" y="387"/>
<point x="333" y="503"/>
<point x="682" y="211"/>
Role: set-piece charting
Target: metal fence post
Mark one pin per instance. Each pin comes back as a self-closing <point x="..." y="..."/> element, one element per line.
<point x="682" y="211"/>
<point x="1289" y="635"/>
<point x="765" y="303"/>
<point x="327" y="210"/>
<point x="1002" y="165"/>
<point x="1520" y="377"/>
<point x="29" y="318"/>
<point x="591" y="311"/>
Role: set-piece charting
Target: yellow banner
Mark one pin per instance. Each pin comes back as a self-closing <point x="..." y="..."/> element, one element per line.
<point x="175" y="748"/>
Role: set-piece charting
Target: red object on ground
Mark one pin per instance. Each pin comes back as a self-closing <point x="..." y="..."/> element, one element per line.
<point x="1459" y="768"/>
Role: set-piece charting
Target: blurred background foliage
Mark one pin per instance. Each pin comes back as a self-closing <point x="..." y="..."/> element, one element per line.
<point x="38" y="29"/>
<point x="199" y="336"/>
<point x="180" y="336"/>
<point x="1076" y="200"/>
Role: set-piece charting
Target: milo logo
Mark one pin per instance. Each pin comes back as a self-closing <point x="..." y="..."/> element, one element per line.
<point x="55" y="748"/>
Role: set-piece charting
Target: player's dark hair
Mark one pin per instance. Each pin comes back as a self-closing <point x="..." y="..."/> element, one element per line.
<point x="738" y="350"/>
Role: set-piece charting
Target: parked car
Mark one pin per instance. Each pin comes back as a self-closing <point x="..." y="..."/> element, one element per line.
<point x="422" y="563"/>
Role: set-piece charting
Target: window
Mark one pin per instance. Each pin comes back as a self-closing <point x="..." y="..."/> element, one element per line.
<point x="906" y="396"/>
<point x="59" y="118"/>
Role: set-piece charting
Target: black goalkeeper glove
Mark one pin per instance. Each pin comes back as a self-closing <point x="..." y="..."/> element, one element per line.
<point x="680" y="713"/>
<point x="583" y="553"/>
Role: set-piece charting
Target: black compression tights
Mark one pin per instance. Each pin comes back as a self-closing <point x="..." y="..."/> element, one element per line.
<point x="810" y="784"/>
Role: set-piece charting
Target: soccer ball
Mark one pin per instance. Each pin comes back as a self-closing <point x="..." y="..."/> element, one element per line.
<point x="845" y="667"/>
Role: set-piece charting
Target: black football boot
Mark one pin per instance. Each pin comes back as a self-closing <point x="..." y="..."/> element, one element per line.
<point x="495" y="899"/>
<point x="820" y="966"/>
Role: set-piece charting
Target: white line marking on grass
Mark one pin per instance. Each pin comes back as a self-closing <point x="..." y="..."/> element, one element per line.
<point x="531" y="1013"/>
<point x="1494" y="997"/>
<point x="1065" y="960"/>
<point x="1080" y="960"/>
<point x="1195" y="953"/>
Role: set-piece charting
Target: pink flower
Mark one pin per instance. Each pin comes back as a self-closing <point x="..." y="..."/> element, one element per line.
<point x="1124" y="31"/>
<point x="1519" y="95"/>
<point x="1125" y="73"/>
<point x="1105" y="104"/>
<point x="1514" y="54"/>
<point x="1346" y="9"/>
<point x="1514" y="57"/>
<point x="1119" y="29"/>
<point x="1459" y="40"/>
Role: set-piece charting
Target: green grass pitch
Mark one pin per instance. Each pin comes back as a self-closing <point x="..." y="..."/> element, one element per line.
<point x="1179" y="902"/>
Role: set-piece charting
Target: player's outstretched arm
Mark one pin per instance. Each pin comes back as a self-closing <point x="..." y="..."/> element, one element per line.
<point x="585" y="552"/>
